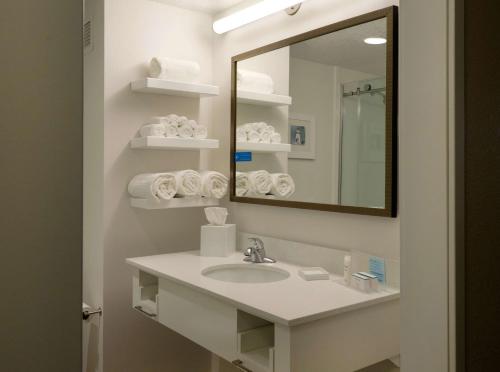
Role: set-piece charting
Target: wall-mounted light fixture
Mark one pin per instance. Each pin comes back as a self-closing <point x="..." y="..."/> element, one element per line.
<point x="252" y="13"/>
<point x="375" y="40"/>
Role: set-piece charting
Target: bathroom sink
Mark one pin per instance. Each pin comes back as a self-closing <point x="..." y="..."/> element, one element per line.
<point x="245" y="273"/>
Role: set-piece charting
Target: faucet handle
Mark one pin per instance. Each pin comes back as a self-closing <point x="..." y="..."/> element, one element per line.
<point x="257" y="243"/>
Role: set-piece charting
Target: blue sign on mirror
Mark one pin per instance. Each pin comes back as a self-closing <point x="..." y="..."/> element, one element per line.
<point x="241" y="156"/>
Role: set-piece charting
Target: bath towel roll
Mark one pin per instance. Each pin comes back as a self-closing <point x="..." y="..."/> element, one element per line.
<point x="152" y="130"/>
<point x="213" y="184"/>
<point x="171" y="130"/>
<point x="260" y="182"/>
<point x="282" y="185"/>
<point x="200" y="132"/>
<point x="247" y="127"/>
<point x="242" y="184"/>
<point x="254" y="81"/>
<point x="241" y="135"/>
<point x="174" y="69"/>
<point x="188" y="183"/>
<point x="185" y="130"/>
<point x="259" y="127"/>
<point x="156" y="186"/>
<point x="276" y="137"/>
<point x="172" y="119"/>
<point x="265" y="137"/>
<point x="253" y="136"/>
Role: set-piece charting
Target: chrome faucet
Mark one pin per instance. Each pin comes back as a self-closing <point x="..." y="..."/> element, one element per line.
<point x="256" y="252"/>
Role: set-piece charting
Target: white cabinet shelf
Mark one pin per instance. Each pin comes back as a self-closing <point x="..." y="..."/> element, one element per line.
<point x="189" y="202"/>
<point x="174" y="88"/>
<point x="263" y="147"/>
<point x="262" y="99"/>
<point x="163" y="143"/>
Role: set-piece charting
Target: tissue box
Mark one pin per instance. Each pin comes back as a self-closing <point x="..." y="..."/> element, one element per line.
<point x="218" y="241"/>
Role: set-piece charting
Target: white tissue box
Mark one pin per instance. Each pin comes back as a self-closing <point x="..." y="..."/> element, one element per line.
<point x="218" y="241"/>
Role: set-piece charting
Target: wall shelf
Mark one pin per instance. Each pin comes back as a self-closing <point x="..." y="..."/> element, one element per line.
<point x="263" y="147"/>
<point x="163" y="143"/>
<point x="189" y="202"/>
<point x="174" y="88"/>
<point x="262" y="99"/>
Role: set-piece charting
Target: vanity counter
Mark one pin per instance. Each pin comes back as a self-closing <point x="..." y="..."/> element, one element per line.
<point x="290" y="302"/>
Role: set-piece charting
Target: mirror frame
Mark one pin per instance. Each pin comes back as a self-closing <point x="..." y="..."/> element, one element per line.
<point x="391" y="151"/>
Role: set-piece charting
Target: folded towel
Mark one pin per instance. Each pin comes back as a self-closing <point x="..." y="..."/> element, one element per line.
<point x="153" y="186"/>
<point x="241" y="135"/>
<point x="253" y="136"/>
<point x="260" y="182"/>
<point x="174" y="69"/>
<point x="276" y="137"/>
<point x="185" y="130"/>
<point x="213" y="184"/>
<point x="265" y="136"/>
<point x="171" y="130"/>
<point x="200" y="132"/>
<point x="254" y="81"/>
<point x="188" y="183"/>
<point x="153" y="130"/>
<point x="282" y="185"/>
<point x="242" y="184"/>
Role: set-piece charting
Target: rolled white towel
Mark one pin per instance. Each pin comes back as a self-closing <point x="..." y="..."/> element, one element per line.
<point x="158" y="120"/>
<point x="153" y="130"/>
<point x="181" y="119"/>
<point x="174" y="69"/>
<point x="270" y="129"/>
<point x="254" y="81"/>
<point x="276" y="137"/>
<point x="172" y="119"/>
<point x="247" y="127"/>
<point x="188" y="183"/>
<point x="171" y="130"/>
<point x="241" y="135"/>
<point x="213" y="184"/>
<point x="259" y="126"/>
<point x="200" y="132"/>
<point x="282" y="185"/>
<point x="192" y="123"/>
<point x="253" y="136"/>
<point x="265" y="137"/>
<point x="243" y="186"/>
<point x="153" y="186"/>
<point x="260" y="182"/>
<point x="185" y="130"/>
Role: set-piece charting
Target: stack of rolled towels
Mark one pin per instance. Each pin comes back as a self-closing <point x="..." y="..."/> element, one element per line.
<point x="185" y="183"/>
<point x="257" y="133"/>
<point x="260" y="183"/>
<point x="253" y="81"/>
<point x="174" y="126"/>
<point x="174" y="69"/>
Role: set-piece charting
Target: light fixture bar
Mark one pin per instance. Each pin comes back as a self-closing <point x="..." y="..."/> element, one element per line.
<point x="252" y="13"/>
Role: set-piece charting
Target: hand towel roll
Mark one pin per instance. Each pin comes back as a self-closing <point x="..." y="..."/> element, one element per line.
<point x="171" y="130"/>
<point x="242" y="184"/>
<point x="260" y="182"/>
<point x="200" y="132"/>
<point x="276" y="137"/>
<point x="241" y="135"/>
<point x="254" y="81"/>
<point x="253" y="136"/>
<point x="282" y="185"/>
<point x="174" y="69"/>
<point x="185" y="130"/>
<point x="188" y="183"/>
<point x="153" y="130"/>
<point x="259" y="127"/>
<point x="247" y="127"/>
<point x="172" y="119"/>
<point x="153" y="186"/>
<point x="213" y="184"/>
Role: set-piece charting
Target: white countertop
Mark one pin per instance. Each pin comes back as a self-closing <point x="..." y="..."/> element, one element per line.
<point x="290" y="302"/>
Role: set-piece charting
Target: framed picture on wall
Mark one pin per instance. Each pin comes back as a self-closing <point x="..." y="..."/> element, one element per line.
<point x="302" y="136"/>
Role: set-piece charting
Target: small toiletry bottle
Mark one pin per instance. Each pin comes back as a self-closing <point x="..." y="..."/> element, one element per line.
<point x="347" y="269"/>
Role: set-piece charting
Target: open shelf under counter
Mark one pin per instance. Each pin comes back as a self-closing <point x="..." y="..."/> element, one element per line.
<point x="188" y="202"/>
<point x="263" y="147"/>
<point x="174" y="88"/>
<point x="263" y="99"/>
<point x="164" y="143"/>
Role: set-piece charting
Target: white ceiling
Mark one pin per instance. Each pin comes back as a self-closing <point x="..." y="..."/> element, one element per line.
<point x="347" y="49"/>
<point x="205" y="6"/>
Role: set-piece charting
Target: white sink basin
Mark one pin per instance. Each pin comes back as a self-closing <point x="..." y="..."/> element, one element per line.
<point x="245" y="273"/>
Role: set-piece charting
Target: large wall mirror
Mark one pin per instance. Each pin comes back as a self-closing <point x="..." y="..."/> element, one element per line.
<point x="314" y="119"/>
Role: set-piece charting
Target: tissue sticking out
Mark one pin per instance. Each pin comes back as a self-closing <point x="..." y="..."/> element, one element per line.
<point x="216" y="215"/>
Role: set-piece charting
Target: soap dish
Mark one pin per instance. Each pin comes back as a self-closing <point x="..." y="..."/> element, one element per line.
<point x="314" y="273"/>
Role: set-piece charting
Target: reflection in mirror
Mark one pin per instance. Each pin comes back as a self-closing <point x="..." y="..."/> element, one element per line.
<point x="311" y="120"/>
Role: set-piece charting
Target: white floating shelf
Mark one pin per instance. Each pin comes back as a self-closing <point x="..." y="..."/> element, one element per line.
<point x="174" y="203"/>
<point x="263" y="147"/>
<point x="163" y="143"/>
<point x="262" y="99"/>
<point x="174" y="88"/>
